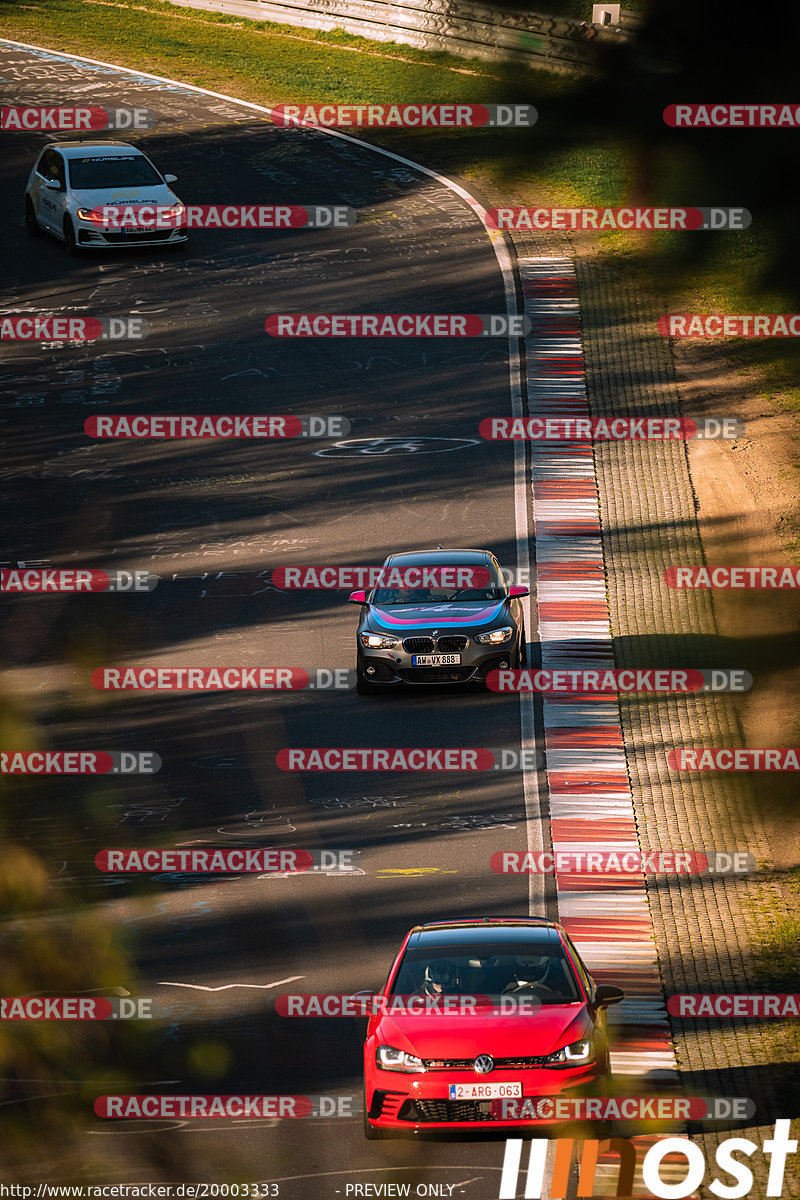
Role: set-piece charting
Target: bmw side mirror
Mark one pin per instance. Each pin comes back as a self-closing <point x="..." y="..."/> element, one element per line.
<point x="52" y="185"/>
<point x="607" y="993"/>
<point x="170" y="179"/>
<point x="357" y="598"/>
<point x="519" y="592"/>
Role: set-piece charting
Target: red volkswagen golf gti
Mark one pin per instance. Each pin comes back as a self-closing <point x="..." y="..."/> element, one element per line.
<point x="475" y="1017"/>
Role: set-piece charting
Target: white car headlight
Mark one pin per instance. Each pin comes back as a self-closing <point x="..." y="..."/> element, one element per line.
<point x="94" y="215"/>
<point x="576" y="1053"/>
<point x="495" y="636"/>
<point x="390" y="1059"/>
<point x="376" y="641"/>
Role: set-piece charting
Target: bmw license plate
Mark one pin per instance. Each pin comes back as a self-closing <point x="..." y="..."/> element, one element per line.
<point x="435" y="660"/>
<point x="483" y="1091"/>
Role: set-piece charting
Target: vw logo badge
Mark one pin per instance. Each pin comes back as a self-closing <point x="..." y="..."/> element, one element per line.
<point x="483" y="1064"/>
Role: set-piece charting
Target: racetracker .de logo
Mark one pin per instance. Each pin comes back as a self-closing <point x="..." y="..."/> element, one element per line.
<point x="407" y="116"/>
<point x="222" y="679"/>
<point x="77" y="119"/>
<point x="370" y="1004"/>
<point x="622" y="862"/>
<point x="395" y="758"/>
<point x="734" y="1004"/>
<point x="227" y="861"/>
<point x="79" y="762"/>
<point x="621" y="1108"/>
<point x="729" y="758"/>
<point x="732" y="116"/>
<point x="75" y="1008"/>
<point x="582" y="681"/>
<point x="617" y="218"/>
<point x="257" y="860"/>
<point x="30" y="327"/>
<point x="74" y="579"/>
<point x="467" y="325"/>
<point x="121" y="426"/>
<point x="608" y="429"/>
<point x="733" y="577"/>
<point x="220" y="1107"/>
<point x="222" y="216"/>
<point x="348" y="578"/>
<point x="707" y="325"/>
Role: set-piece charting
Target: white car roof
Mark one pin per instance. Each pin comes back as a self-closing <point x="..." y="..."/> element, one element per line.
<point x="96" y="149"/>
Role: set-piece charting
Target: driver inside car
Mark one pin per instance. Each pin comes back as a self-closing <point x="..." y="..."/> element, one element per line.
<point x="529" y="974"/>
<point x="441" y="979"/>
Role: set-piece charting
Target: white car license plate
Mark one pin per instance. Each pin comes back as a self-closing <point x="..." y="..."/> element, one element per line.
<point x="435" y="660"/>
<point x="484" y="1091"/>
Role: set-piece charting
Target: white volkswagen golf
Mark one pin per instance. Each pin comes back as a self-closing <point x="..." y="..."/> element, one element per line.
<point x="71" y="181"/>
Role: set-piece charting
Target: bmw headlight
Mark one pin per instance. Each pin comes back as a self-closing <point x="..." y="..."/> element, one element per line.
<point x="390" y="1059"/>
<point x="495" y="637"/>
<point x="376" y="641"/>
<point x="573" y="1055"/>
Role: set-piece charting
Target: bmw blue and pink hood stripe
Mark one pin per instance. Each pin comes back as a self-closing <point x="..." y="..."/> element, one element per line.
<point x="482" y="617"/>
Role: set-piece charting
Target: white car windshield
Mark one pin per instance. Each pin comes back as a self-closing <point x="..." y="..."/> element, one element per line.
<point x="118" y="170"/>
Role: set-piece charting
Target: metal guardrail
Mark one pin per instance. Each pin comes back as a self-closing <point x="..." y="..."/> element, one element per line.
<point x="461" y="27"/>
